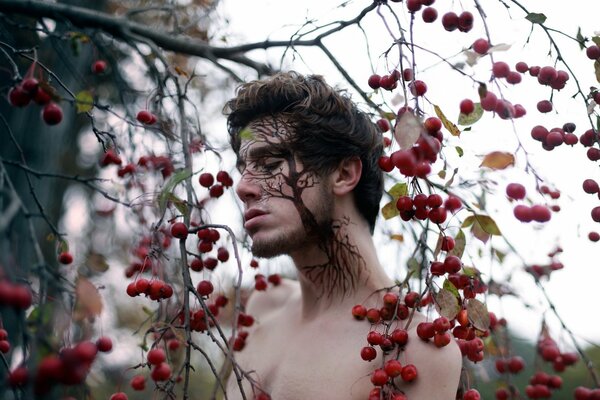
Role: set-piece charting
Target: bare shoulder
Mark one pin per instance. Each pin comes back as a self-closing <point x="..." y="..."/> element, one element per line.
<point x="438" y="369"/>
<point x="261" y="302"/>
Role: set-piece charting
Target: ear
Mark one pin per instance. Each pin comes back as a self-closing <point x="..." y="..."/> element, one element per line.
<point x="346" y="176"/>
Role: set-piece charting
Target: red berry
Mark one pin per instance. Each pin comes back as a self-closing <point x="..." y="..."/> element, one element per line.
<point x="594" y="236"/>
<point x="418" y="88"/>
<point x="448" y="243"/>
<point x="216" y="191"/>
<point x="409" y="373"/>
<point x="425" y="330"/>
<point x="467" y="106"/>
<point x="393" y="368"/>
<point x="99" y="66"/>
<point x="138" y="382"/>
<point x="481" y="46"/>
<point x="104" y="344"/>
<point x="179" y="230"/>
<point x="156" y="356"/>
<point x="119" y="396"/>
<point x="65" y="258"/>
<point x="383" y="124"/>
<point x="145" y="117"/>
<point x="429" y="15"/>
<point x="452" y="264"/>
<point x="500" y="69"/>
<point x="523" y="213"/>
<point x="590" y="186"/>
<point x="205" y="288"/>
<point x="18" y="97"/>
<point x="544" y="106"/>
<point x="515" y="191"/>
<point x="206" y="179"/>
<point x="465" y="21"/>
<point x="450" y="21"/>
<point x="379" y="377"/>
<point x="540" y="213"/>
<point x="18" y="377"/>
<point x="516" y="364"/>
<point x="30" y="85"/>
<point x="368" y="353"/>
<point x="374" y="81"/>
<point x="161" y="372"/>
<point x="385" y="163"/>
<point x="41" y="97"/>
<point x="52" y="114"/>
<point x="413" y="5"/>
<point x="593" y="52"/>
<point x="471" y="394"/>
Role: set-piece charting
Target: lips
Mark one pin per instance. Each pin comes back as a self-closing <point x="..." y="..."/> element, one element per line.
<point x="252" y="213"/>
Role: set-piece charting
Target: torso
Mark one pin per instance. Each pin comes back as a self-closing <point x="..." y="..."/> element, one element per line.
<point x="292" y="359"/>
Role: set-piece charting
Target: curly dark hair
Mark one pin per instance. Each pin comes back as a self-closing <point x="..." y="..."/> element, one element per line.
<point x="327" y="127"/>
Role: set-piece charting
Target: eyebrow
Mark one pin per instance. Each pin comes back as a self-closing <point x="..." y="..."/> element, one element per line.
<point x="260" y="152"/>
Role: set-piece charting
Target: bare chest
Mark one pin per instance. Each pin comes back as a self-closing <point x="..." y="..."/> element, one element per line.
<point x="318" y="360"/>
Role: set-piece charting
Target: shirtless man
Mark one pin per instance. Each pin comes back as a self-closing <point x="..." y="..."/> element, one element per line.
<point x="311" y="188"/>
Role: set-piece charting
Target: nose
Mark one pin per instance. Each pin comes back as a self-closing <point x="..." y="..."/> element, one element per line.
<point x="248" y="188"/>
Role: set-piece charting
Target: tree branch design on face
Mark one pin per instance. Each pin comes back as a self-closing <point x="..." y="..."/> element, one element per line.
<point x="267" y="159"/>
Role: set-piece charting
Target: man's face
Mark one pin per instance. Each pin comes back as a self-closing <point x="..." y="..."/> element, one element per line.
<point x="287" y="206"/>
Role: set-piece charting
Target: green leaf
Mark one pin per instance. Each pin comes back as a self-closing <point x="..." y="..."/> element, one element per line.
<point x="174" y="180"/>
<point x="449" y="286"/>
<point x="246" y="134"/>
<point x="596" y="40"/>
<point x="597" y="70"/>
<point x="471" y="272"/>
<point x="488" y="224"/>
<point x="84" y="101"/>
<point x="470" y="119"/>
<point x="413" y="265"/>
<point x="460" y="151"/>
<point x="580" y="39"/>
<point x="499" y="255"/>
<point x="460" y="242"/>
<point x="468" y="221"/>
<point x="399" y="189"/>
<point x="178" y="203"/>
<point x="536" y="18"/>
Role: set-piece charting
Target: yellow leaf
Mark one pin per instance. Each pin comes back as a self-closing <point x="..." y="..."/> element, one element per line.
<point x="449" y="125"/>
<point x="84" y="101"/>
<point x="397" y="236"/>
<point x="96" y="262"/>
<point x="181" y="71"/>
<point x="498" y="160"/>
<point x="390" y="210"/>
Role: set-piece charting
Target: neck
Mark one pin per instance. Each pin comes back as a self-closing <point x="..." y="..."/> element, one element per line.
<point x="340" y="270"/>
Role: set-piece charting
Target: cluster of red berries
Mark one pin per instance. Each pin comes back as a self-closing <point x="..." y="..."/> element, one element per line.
<point x="260" y="281"/>
<point x="584" y="393"/>
<point x="157" y="163"/>
<point x="157" y="360"/>
<point x="15" y="295"/>
<point x="417" y="160"/>
<point x="156" y="289"/>
<point x="70" y="367"/>
<point x="432" y="207"/>
<point x="29" y="89"/>
<point x="555" y="137"/>
<point x="223" y="178"/>
<point x="146" y="117"/>
<point x="4" y="343"/>
<point x="524" y="213"/>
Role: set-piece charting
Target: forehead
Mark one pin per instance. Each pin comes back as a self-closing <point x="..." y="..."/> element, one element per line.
<point x="264" y="133"/>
